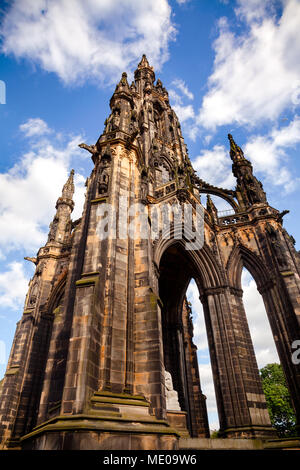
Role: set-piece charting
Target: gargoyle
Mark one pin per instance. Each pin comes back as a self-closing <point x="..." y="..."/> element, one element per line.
<point x="281" y="215"/>
<point x="33" y="260"/>
<point x="90" y="148"/>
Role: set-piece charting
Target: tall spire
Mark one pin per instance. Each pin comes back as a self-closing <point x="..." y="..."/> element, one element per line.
<point x="236" y="152"/>
<point x="249" y="189"/>
<point x="144" y="62"/>
<point x="144" y="71"/>
<point x="61" y="224"/>
<point x="68" y="188"/>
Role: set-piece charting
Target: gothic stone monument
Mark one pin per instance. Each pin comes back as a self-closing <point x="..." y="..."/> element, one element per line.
<point x="105" y="317"/>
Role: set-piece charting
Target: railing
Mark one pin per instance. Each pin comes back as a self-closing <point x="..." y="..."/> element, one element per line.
<point x="233" y="219"/>
<point x="225" y="213"/>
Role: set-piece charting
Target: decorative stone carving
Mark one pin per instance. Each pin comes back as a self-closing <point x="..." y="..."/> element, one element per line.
<point x="276" y="245"/>
<point x="90" y="148"/>
<point x="53" y="229"/>
<point x="171" y="394"/>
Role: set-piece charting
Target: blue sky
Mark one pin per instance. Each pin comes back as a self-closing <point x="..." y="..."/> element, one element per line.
<point x="229" y="66"/>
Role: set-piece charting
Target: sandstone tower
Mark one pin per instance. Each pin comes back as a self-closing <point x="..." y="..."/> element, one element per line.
<point x="106" y="320"/>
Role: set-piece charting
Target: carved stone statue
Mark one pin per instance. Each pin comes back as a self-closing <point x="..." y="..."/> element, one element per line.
<point x="276" y="245"/>
<point x="53" y="229"/>
<point x="171" y="394"/>
<point x="103" y="181"/>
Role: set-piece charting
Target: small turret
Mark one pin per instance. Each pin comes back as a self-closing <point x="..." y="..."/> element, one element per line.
<point x="69" y="188"/>
<point x="61" y="225"/>
<point x="236" y="153"/>
<point x="249" y="189"/>
<point x="211" y="209"/>
<point x="123" y="84"/>
<point x="144" y="75"/>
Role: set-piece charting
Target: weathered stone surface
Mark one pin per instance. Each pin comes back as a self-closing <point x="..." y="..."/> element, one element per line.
<point x="105" y="316"/>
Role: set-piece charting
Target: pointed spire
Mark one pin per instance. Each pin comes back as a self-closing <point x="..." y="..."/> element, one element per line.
<point x="209" y="204"/>
<point x="236" y="152"/>
<point x="68" y="189"/>
<point x="211" y="208"/>
<point x="144" y="62"/>
<point x="144" y="71"/>
<point x="123" y="84"/>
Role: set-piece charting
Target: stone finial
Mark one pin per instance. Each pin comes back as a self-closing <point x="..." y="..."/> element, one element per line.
<point x="236" y="152"/>
<point x="210" y="205"/>
<point x="144" y="62"/>
<point x="123" y="84"/>
<point x="68" y="188"/>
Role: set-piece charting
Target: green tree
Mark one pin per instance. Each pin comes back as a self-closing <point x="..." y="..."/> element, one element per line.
<point x="278" y="400"/>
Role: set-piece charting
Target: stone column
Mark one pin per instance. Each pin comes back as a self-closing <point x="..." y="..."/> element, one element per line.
<point x="241" y="403"/>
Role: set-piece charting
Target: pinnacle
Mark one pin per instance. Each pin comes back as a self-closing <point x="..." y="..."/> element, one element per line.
<point x="123" y="82"/>
<point x="144" y="62"/>
<point x="235" y="151"/>
<point x="68" y="189"/>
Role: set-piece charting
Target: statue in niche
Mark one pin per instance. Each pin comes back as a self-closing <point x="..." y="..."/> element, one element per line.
<point x="104" y="171"/>
<point x="33" y="294"/>
<point x="171" y="394"/>
<point x="103" y="181"/>
<point x="254" y="189"/>
<point x="39" y="269"/>
<point x="113" y="122"/>
<point x="144" y="188"/>
<point x="133" y="121"/>
<point x="181" y="180"/>
<point x="276" y="245"/>
<point x="53" y="229"/>
<point x="148" y="88"/>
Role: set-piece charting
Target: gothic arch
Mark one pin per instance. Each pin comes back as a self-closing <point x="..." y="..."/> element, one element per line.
<point x="220" y="193"/>
<point x="242" y="256"/>
<point x="278" y="308"/>
<point x="203" y="261"/>
<point x="57" y="291"/>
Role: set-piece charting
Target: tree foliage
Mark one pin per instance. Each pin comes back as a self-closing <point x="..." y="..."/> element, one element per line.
<point x="278" y="400"/>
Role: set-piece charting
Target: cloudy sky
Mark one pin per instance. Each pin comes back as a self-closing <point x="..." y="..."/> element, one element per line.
<point x="230" y="66"/>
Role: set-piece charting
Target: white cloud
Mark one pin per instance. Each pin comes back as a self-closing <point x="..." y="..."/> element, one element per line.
<point x="214" y="166"/>
<point x="29" y="190"/>
<point x="268" y="153"/>
<point x="183" y="111"/>
<point x="254" y="71"/>
<point x="13" y="286"/>
<point x="180" y="84"/>
<point x="88" y="39"/>
<point x="35" y="127"/>
<point x="254" y="10"/>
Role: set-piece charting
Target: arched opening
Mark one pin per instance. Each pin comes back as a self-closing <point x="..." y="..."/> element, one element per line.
<point x="222" y="205"/>
<point x="180" y="353"/>
<point x="203" y="356"/>
<point x="259" y="325"/>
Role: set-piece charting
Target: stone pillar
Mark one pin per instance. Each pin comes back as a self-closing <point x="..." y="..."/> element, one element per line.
<point x="240" y="400"/>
